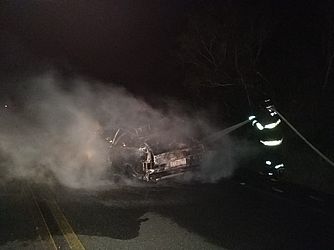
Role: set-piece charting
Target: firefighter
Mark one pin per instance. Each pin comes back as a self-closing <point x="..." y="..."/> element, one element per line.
<point x="268" y="126"/>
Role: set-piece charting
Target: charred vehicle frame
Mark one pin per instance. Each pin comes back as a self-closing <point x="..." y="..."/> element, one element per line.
<point x="138" y="154"/>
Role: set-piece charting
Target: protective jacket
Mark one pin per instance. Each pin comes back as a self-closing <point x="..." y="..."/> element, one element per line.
<point x="268" y="125"/>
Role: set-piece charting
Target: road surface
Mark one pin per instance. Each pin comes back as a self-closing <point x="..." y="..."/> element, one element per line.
<point x="228" y="215"/>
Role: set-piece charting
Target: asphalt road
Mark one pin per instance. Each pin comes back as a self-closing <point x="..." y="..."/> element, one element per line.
<point x="228" y="215"/>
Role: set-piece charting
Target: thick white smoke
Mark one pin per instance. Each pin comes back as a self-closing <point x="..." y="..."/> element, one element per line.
<point x="55" y="135"/>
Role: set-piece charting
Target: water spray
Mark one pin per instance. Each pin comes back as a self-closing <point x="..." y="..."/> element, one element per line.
<point x="216" y="136"/>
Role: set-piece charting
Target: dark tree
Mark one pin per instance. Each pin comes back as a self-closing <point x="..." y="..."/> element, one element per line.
<point x="328" y="43"/>
<point x="222" y="47"/>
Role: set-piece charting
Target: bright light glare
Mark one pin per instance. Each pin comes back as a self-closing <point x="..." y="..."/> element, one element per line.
<point x="271" y="143"/>
<point x="279" y="166"/>
<point x="272" y="125"/>
<point x="259" y="126"/>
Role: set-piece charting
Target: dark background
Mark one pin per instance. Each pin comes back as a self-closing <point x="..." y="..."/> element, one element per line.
<point x="153" y="48"/>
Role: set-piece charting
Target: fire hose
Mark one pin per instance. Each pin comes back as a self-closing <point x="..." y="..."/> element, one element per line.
<point x="230" y="129"/>
<point x="305" y="140"/>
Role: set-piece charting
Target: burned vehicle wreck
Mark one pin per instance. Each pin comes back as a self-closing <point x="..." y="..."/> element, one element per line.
<point x="142" y="154"/>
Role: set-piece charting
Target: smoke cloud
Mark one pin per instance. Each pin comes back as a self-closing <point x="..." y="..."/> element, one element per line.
<point x="55" y="134"/>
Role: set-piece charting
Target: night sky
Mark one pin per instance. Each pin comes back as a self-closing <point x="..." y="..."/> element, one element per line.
<point x="133" y="43"/>
<point x="127" y="42"/>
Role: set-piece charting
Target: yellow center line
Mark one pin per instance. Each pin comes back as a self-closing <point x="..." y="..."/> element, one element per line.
<point x="41" y="225"/>
<point x="70" y="236"/>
